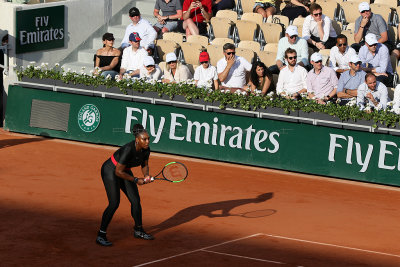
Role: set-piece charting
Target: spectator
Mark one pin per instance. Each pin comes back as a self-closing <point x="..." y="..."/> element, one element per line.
<point x="372" y="23"/>
<point x="150" y="71"/>
<point x="141" y="26"/>
<point x="132" y="57"/>
<point x="261" y="79"/>
<point x="295" y="8"/>
<point x="232" y="70"/>
<point x="340" y="55"/>
<point x="171" y="13"/>
<point x="107" y="58"/>
<point x="350" y="80"/>
<point x="195" y="13"/>
<point x="396" y="100"/>
<point x="291" y="40"/>
<point x="265" y="7"/>
<point x="175" y="72"/>
<point x="222" y="5"/>
<point x="375" y="58"/>
<point x="322" y="81"/>
<point x="206" y="75"/>
<point x="372" y="92"/>
<point x="292" y="78"/>
<point x="318" y="29"/>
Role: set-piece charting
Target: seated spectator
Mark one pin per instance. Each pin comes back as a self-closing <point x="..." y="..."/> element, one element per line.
<point x="296" y="8"/>
<point x="143" y="28"/>
<point x="206" y="75"/>
<point x="195" y="13"/>
<point x="318" y="29"/>
<point x="260" y="79"/>
<point x="372" y="23"/>
<point x="232" y="70"/>
<point x="265" y="7"/>
<point x="372" y="92"/>
<point x="222" y="5"/>
<point x="340" y="55"/>
<point x="396" y="100"/>
<point x="107" y="58"/>
<point x="375" y="58"/>
<point x="132" y="57"/>
<point x="150" y="70"/>
<point x="175" y="72"/>
<point x="350" y="80"/>
<point x="291" y="40"/>
<point x="171" y="13"/>
<point x="322" y="81"/>
<point x="292" y="78"/>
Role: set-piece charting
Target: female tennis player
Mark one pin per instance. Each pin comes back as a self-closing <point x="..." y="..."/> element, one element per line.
<point x="116" y="175"/>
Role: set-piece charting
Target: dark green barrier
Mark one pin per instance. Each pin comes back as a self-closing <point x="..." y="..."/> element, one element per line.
<point x="297" y="147"/>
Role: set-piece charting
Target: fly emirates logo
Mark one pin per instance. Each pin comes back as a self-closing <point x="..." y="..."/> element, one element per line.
<point x="216" y="134"/>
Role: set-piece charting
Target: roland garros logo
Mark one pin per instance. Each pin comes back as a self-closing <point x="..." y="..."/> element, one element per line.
<point x="89" y="118"/>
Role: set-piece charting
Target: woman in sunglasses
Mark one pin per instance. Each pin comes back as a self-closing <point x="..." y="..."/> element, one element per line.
<point x="107" y="59"/>
<point x="175" y="72"/>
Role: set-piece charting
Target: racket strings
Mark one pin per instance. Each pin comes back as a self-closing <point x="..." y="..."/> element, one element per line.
<point x="175" y="172"/>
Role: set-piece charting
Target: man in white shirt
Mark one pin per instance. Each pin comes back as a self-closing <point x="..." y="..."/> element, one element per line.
<point x="232" y="70"/>
<point x="133" y="56"/>
<point x="341" y="54"/>
<point x="141" y="26"/>
<point x="373" y="92"/>
<point x="292" y="78"/>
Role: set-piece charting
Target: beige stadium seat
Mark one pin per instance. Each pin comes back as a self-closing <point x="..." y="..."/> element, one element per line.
<point x="280" y="19"/>
<point x="228" y="14"/>
<point x="351" y="27"/>
<point x="271" y="32"/>
<point x="246" y="53"/>
<point x="330" y="8"/>
<point x="392" y="3"/>
<point x="252" y="45"/>
<point x="173" y="36"/>
<point x="325" y="55"/>
<point x="246" y="30"/>
<point x="268" y="58"/>
<point x="349" y="35"/>
<point x="350" y="11"/>
<point x="163" y="66"/>
<point x="215" y="52"/>
<point x="358" y="1"/>
<point x="382" y="9"/>
<point x="271" y="47"/>
<point x="299" y="21"/>
<point x="222" y="41"/>
<point x="191" y="52"/>
<point x="256" y="17"/>
<point x="164" y="47"/>
<point x="199" y="39"/>
<point x="221" y="27"/>
<point x="247" y="6"/>
<point x="300" y="30"/>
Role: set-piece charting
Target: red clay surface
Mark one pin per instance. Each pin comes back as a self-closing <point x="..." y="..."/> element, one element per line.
<point x="52" y="199"/>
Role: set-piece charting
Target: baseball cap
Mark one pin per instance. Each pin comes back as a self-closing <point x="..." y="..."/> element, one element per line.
<point x="370" y="39"/>
<point x="363" y="6"/>
<point x="355" y="59"/>
<point x="134" y="37"/>
<point x="134" y="11"/>
<point x="170" y="57"/>
<point x="292" y="30"/>
<point x="204" y="57"/>
<point x="148" y="61"/>
<point x="316" y="57"/>
<point x="108" y="36"/>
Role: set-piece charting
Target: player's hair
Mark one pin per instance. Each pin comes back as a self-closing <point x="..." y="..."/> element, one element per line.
<point x="138" y="129"/>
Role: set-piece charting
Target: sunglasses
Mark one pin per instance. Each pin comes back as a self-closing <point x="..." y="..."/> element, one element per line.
<point x="317" y="14"/>
<point x="319" y="61"/>
<point x="111" y="39"/>
<point x="340" y="45"/>
<point x="373" y="45"/>
<point x="203" y="62"/>
<point x="365" y="11"/>
<point x="171" y="62"/>
<point x="231" y="53"/>
<point x="293" y="37"/>
<point x="294" y="57"/>
<point x="357" y="63"/>
<point x="150" y="66"/>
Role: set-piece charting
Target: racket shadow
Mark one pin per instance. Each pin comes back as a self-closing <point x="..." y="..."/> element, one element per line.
<point x="209" y="209"/>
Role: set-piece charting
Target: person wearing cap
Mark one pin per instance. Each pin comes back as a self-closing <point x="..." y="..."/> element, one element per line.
<point x="150" y="70"/>
<point x="318" y="29"/>
<point x="142" y="27"/>
<point x="171" y="12"/>
<point x="107" y="58"/>
<point x="195" y="15"/>
<point x="292" y="78"/>
<point x="350" y="80"/>
<point x="372" y="92"/>
<point x="232" y="70"/>
<point x="206" y="75"/>
<point x="175" y="72"/>
<point x="375" y="58"/>
<point x="132" y="57"/>
<point x="369" y="22"/>
<point x="340" y="55"/>
<point x="291" y="40"/>
<point x="321" y="81"/>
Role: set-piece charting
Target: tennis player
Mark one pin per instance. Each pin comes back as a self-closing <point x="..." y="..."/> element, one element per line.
<point x="116" y="175"/>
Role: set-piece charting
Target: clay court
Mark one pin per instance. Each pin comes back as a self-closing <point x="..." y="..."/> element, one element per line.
<point x="52" y="199"/>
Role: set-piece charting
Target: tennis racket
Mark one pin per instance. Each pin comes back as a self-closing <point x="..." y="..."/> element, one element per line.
<point x="174" y="172"/>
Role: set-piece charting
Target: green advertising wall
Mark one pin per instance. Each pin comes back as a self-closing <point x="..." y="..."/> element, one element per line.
<point x="282" y="145"/>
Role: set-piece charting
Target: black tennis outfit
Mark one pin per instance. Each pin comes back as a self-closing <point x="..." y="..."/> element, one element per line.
<point x="128" y="156"/>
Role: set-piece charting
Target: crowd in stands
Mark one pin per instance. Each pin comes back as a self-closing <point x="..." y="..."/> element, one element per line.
<point x="317" y="58"/>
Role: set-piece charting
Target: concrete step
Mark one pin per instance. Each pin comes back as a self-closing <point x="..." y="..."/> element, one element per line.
<point x="117" y="30"/>
<point x="145" y="6"/>
<point x="77" y="66"/>
<point x="149" y="17"/>
<point x="86" y="55"/>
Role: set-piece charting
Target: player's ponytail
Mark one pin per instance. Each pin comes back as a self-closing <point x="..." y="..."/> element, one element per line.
<point x="138" y="129"/>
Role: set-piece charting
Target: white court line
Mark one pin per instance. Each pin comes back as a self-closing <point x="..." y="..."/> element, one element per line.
<point x="243" y="257"/>
<point x="332" y="245"/>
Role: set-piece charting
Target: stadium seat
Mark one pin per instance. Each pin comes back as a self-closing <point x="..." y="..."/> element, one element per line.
<point x="174" y="36"/>
<point x="330" y="8"/>
<point x="350" y="36"/>
<point x="268" y="58"/>
<point x="221" y="41"/>
<point x="349" y="12"/>
<point x="215" y="52"/>
<point x="271" y="47"/>
<point x="279" y="19"/>
<point x="164" y="47"/>
<point x="384" y="10"/>
<point x="325" y="55"/>
<point x="392" y="3"/>
<point x="246" y="53"/>
<point x="351" y="26"/>
<point x="247" y="6"/>
<point x="245" y="30"/>
<point x="299" y="21"/>
<point x="228" y="14"/>
<point x="190" y="53"/>
<point x="199" y="39"/>
<point x="256" y="17"/>
<point x="252" y="45"/>
<point x="222" y="27"/>
<point x="270" y="33"/>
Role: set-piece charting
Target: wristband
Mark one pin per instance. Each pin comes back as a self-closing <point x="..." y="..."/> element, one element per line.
<point x="135" y="180"/>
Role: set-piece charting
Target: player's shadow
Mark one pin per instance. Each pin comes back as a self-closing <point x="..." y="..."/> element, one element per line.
<point x="210" y="210"/>
<point x="14" y="142"/>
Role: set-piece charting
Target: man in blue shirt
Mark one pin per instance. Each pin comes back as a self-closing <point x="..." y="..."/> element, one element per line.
<point x="350" y="80"/>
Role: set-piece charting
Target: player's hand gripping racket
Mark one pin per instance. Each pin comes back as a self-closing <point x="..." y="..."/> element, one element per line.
<point x="174" y="172"/>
